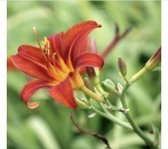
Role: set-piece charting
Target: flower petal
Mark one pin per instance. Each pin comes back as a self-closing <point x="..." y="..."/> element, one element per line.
<point x="89" y="59"/>
<point x="92" y="46"/>
<point x="30" y="68"/>
<point x="63" y="93"/>
<point x="75" y="32"/>
<point x="55" y="43"/>
<point x="29" y="89"/>
<point x="32" y="53"/>
<point x="80" y="46"/>
<point x="10" y="65"/>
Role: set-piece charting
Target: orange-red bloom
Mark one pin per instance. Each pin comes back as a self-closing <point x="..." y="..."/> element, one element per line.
<point x="57" y="63"/>
<point x="10" y="65"/>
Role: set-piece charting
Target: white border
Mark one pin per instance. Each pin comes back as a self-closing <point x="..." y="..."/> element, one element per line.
<point x="3" y="75"/>
<point x="164" y="132"/>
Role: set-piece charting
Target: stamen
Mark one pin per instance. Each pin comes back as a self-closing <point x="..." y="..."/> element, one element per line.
<point x="46" y="42"/>
<point x="36" y="37"/>
<point x="45" y="49"/>
<point x="53" y="57"/>
<point x="46" y="46"/>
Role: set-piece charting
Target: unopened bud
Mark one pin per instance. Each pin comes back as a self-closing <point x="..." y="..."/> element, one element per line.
<point x="93" y="75"/>
<point x="109" y="85"/>
<point x="87" y="83"/>
<point x="122" y="66"/>
<point x="154" y="60"/>
<point x="81" y="104"/>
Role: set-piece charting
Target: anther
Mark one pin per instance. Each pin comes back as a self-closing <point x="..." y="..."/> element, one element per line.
<point x="46" y="46"/>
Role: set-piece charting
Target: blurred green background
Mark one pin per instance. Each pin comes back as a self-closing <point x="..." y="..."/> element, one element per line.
<point x="49" y="126"/>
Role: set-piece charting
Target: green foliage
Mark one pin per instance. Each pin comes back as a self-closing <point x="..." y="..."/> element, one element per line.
<point x="49" y="126"/>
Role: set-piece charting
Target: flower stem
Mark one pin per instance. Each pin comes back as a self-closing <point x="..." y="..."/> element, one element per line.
<point x="138" y="75"/>
<point x="136" y="129"/>
<point x="92" y="94"/>
<point x="112" y="118"/>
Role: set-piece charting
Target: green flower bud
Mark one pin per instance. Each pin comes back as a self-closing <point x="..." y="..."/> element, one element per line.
<point x="109" y="85"/>
<point x="81" y="104"/>
<point x="87" y="83"/>
<point x="93" y="75"/>
<point x="122" y="66"/>
<point x="154" y="60"/>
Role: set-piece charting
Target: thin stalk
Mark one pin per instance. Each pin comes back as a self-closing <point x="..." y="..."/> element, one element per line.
<point x="112" y="118"/>
<point x="92" y="94"/>
<point x="136" y="129"/>
<point x="138" y="75"/>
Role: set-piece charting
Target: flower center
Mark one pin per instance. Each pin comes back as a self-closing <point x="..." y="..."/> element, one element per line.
<point x="57" y="68"/>
<point x="56" y="65"/>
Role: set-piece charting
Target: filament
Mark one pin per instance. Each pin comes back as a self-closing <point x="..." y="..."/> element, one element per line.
<point x="53" y="57"/>
<point x="36" y="36"/>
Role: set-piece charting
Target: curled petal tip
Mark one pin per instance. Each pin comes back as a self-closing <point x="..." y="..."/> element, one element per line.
<point x="33" y="105"/>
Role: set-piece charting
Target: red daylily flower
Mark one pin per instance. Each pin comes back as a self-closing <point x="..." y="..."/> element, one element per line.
<point x="10" y="65"/>
<point x="57" y="64"/>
